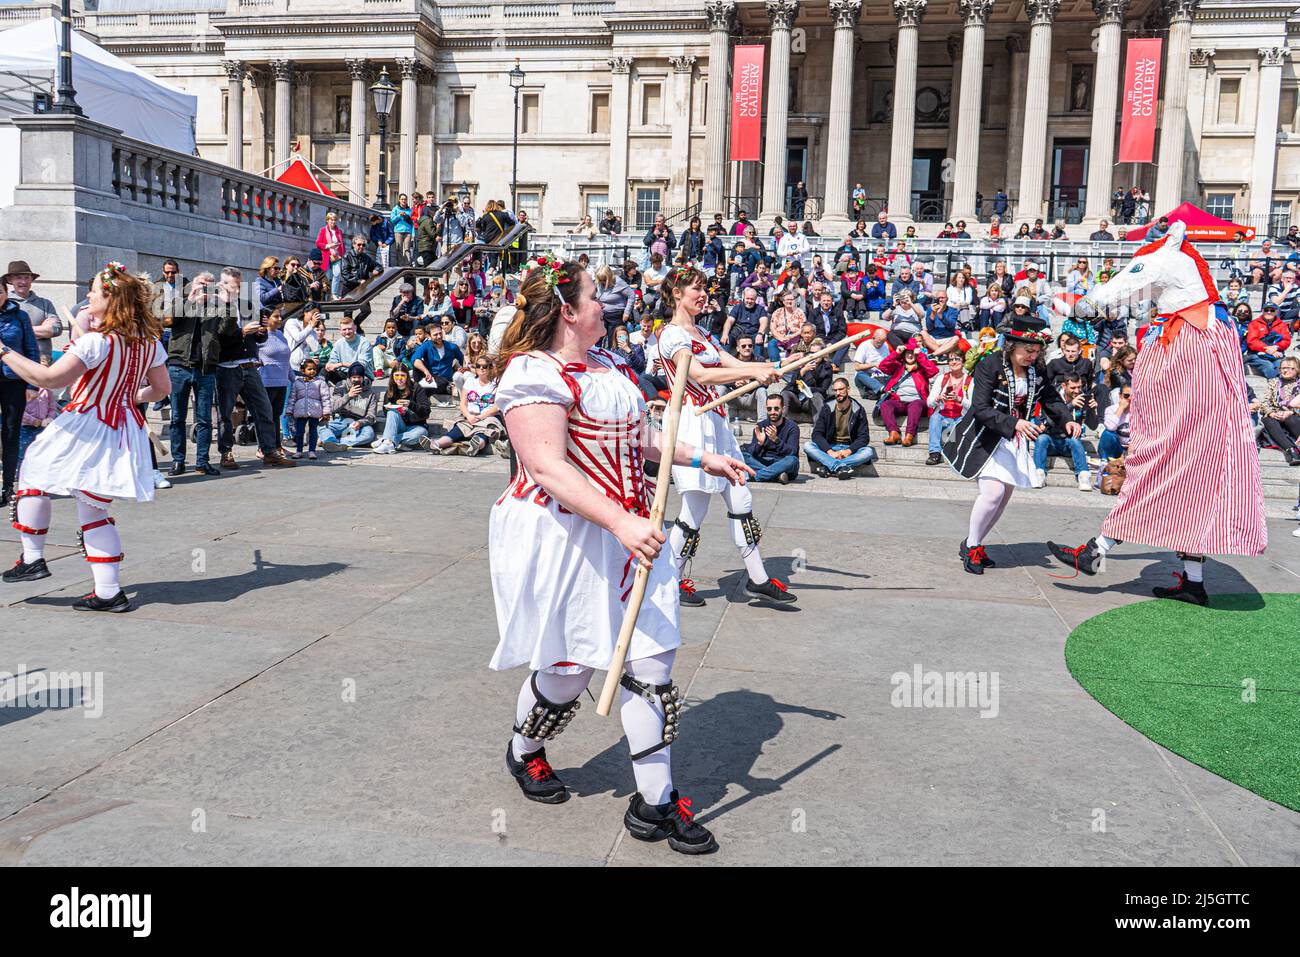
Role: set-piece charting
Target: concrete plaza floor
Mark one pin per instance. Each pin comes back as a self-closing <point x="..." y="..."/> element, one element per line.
<point x="304" y="681"/>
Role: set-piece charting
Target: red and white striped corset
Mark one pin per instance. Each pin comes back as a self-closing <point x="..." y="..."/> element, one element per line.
<point x="703" y="354"/>
<point x="606" y="450"/>
<point x="109" y="389"/>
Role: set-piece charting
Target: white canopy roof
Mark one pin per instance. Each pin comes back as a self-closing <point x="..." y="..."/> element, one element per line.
<point x="109" y="89"/>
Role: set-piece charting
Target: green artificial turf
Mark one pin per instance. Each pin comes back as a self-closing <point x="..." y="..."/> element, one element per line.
<point x="1179" y="675"/>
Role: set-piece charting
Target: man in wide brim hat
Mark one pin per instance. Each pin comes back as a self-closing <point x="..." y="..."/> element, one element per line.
<point x="19" y="267"/>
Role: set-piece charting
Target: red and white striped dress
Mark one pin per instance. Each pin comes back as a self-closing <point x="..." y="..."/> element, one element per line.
<point x="708" y="433"/>
<point x="98" y="444"/>
<point x="1193" y="481"/>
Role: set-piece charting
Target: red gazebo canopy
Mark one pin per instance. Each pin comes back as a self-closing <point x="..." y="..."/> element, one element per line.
<point x="298" y="174"/>
<point x="1201" y="226"/>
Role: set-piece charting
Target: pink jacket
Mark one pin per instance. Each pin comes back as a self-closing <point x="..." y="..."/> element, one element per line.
<point x="892" y="366"/>
<point x="39" y="408"/>
<point x="325" y="241"/>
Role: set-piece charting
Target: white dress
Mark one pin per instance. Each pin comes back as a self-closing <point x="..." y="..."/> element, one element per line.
<point x="707" y="432"/>
<point x="1012" y="461"/>
<point x="98" y="443"/>
<point x="561" y="582"/>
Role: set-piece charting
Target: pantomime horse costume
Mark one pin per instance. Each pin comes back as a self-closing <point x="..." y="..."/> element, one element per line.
<point x="1193" y="481"/>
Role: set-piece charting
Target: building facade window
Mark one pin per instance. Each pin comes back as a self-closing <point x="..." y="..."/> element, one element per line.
<point x="647" y="205"/>
<point x="599" y="113"/>
<point x="595" y="201"/>
<point x="1229" y="95"/>
<point x="530" y="113"/>
<point x="1219" y="204"/>
<point x="1279" y="217"/>
<point x="652" y="104"/>
<point x="462" y="104"/>
<point x="530" y="202"/>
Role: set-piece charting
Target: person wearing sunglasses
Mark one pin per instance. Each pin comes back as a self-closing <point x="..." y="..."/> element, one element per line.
<point x="480" y="421"/>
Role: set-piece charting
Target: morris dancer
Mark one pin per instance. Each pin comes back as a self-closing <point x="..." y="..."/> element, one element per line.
<point x="684" y="293"/>
<point x="563" y="541"/>
<point x="992" y="441"/>
<point x="1192" y="480"/>
<point x="97" y="449"/>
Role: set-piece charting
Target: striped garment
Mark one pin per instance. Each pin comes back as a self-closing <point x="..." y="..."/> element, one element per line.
<point x="1193" y="481"/>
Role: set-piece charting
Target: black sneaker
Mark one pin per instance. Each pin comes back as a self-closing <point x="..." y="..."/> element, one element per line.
<point x="934" y="458"/>
<point x="1186" y="590"/>
<point x="1086" y="558"/>
<point x="771" y="589"/>
<point x="844" y="474"/>
<point x="987" y="563"/>
<point x="674" y="820"/>
<point x="975" y="560"/>
<point x="687" y="595"/>
<point x="178" y="468"/>
<point x="92" y="602"/>
<point x="535" y="777"/>
<point x="819" y="470"/>
<point x="27" y="571"/>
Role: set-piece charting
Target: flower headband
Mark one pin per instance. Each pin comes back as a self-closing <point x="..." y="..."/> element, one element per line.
<point x="552" y="273"/>
<point x="109" y="275"/>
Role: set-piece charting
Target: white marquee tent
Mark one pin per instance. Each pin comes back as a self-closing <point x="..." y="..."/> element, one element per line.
<point x="109" y="89"/>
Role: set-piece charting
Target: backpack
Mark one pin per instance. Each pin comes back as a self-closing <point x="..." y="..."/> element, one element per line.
<point x="1112" y="476"/>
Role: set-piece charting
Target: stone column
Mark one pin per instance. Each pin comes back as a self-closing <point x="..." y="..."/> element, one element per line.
<point x="620" y="68"/>
<point x="1033" y="153"/>
<point x="680" y="177"/>
<point x="835" y="208"/>
<point x="954" y="109"/>
<point x="1017" y="72"/>
<point x="282" y="70"/>
<point x="721" y="14"/>
<point x="408" y="103"/>
<point x="1105" y="106"/>
<point x="781" y="14"/>
<point x="1266" y="121"/>
<point x="359" y="70"/>
<point x="1196" y="82"/>
<point x="434" y="186"/>
<point x="903" y="126"/>
<point x="1173" y="117"/>
<point x="975" y="14"/>
<point x="236" y="70"/>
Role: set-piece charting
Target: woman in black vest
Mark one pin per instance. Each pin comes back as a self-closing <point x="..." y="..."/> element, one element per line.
<point x="993" y="440"/>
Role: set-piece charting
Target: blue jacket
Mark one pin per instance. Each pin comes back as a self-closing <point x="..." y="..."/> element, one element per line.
<point x="16" y="332"/>
<point x="382" y="232"/>
<point x="269" y="293"/>
<point x="402" y="220"/>
<point x="944" y="325"/>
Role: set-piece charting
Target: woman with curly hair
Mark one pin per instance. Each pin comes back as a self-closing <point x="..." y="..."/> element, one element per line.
<point x="685" y="293"/>
<point x="97" y="449"/>
<point x="563" y="541"/>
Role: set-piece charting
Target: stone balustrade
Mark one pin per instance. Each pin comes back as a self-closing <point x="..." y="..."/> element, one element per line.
<point x="87" y="194"/>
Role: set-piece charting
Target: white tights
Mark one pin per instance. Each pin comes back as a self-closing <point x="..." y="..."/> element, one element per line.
<point x="695" y="506"/>
<point x="988" y="508"/>
<point x="101" y="542"/>
<point x="643" y="721"/>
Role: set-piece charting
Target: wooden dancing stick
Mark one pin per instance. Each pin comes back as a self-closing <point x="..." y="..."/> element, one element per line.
<point x="667" y="448"/>
<point x="749" y="387"/>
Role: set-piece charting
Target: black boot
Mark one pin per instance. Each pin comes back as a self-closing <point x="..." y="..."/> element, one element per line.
<point x="687" y="595"/>
<point x="674" y="820"/>
<point x="92" y="602"/>
<point x="987" y="563"/>
<point x="1186" y="590"/>
<point x="535" y="777"/>
<point x="1292" y="456"/>
<point x="771" y="589"/>
<point x="1087" y="558"/>
<point x="27" y="571"/>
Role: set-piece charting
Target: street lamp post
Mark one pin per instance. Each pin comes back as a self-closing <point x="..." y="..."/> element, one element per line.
<point x="67" y="102"/>
<point x="384" y="94"/>
<point x="517" y="84"/>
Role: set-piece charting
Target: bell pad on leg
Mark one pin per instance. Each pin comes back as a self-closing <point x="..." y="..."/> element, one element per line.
<point x="692" y="543"/>
<point x="546" y="719"/>
<point x="81" y="542"/>
<point x="667" y="695"/>
<point x="18" y="496"/>
<point x="749" y="526"/>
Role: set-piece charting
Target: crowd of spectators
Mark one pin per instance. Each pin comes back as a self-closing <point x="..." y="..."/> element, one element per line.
<point x="255" y="362"/>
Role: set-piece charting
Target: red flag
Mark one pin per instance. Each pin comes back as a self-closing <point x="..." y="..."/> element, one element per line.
<point x="1137" y="131"/>
<point x="746" y="102"/>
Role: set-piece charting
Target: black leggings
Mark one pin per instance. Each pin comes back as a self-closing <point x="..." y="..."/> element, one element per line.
<point x="13" y="400"/>
<point x="1283" y="432"/>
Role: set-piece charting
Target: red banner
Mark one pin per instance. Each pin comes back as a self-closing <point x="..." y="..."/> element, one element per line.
<point x="747" y="103"/>
<point x="1137" y="131"/>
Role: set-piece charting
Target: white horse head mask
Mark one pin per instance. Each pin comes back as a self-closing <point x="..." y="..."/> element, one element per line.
<point x="1169" y="271"/>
